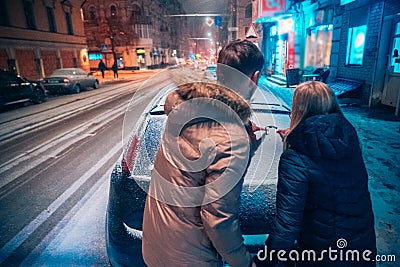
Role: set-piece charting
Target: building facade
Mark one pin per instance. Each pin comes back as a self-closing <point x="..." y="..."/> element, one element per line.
<point x="357" y="40"/>
<point x="37" y="37"/>
<point x="245" y="20"/>
<point x="366" y="36"/>
<point x="136" y="34"/>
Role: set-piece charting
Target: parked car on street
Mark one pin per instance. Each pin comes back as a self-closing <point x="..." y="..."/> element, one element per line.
<point x="70" y="80"/>
<point x="211" y="72"/>
<point x="15" y="89"/>
<point x="132" y="174"/>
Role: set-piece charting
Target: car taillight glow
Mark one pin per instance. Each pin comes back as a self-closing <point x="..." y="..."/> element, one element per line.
<point x="66" y="80"/>
<point x="128" y="159"/>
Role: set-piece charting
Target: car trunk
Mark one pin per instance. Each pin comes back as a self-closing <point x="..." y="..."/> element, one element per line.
<point x="259" y="189"/>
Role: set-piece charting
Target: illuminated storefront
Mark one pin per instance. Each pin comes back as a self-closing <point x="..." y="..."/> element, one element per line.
<point x="285" y="37"/>
<point x="318" y="39"/>
<point x="279" y="44"/>
<point x="294" y="40"/>
<point x="141" y="57"/>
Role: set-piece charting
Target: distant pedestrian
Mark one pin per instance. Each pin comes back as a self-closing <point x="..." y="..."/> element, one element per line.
<point x="322" y="198"/>
<point x="102" y="67"/>
<point x="115" y="69"/>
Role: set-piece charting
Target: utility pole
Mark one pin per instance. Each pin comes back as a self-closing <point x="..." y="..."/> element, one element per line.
<point x="113" y="48"/>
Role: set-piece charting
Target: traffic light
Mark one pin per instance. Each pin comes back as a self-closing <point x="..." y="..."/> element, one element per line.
<point x="218" y="21"/>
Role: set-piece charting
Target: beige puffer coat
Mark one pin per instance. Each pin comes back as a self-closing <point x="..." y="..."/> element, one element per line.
<point x="191" y="213"/>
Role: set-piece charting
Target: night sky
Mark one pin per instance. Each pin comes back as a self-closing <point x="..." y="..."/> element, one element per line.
<point x="205" y="6"/>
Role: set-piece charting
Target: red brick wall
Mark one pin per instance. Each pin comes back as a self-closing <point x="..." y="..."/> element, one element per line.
<point x="67" y="57"/>
<point x="3" y="59"/>
<point x="26" y="64"/>
<point x="49" y="62"/>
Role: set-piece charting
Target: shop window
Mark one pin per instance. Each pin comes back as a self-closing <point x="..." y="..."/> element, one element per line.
<point x="29" y="15"/>
<point x="51" y="19"/>
<point x="355" y="45"/>
<point x="318" y="46"/>
<point x="395" y="56"/>
<point x="248" y="11"/>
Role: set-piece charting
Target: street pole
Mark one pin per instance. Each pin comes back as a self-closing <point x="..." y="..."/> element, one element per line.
<point x="113" y="49"/>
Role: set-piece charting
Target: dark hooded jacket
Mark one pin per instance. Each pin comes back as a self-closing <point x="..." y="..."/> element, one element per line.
<point x="190" y="218"/>
<point x="323" y="192"/>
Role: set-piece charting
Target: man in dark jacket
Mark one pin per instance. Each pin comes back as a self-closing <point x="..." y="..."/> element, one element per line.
<point x="115" y="69"/>
<point x="322" y="201"/>
<point x="102" y="67"/>
<point x="194" y="193"/>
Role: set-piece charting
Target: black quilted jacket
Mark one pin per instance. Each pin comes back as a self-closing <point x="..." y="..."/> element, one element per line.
<point x="323" y="194"/>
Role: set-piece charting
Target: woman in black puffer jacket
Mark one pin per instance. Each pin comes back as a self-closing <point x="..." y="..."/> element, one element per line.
<point x="323" y="203"/>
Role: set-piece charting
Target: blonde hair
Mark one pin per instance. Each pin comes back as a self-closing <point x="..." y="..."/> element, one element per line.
<point x="309" y="99"/>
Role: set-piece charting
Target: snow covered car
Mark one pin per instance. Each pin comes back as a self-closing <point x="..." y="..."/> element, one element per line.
<point x="70" y="80"/>
<point x="132" y="174"/>
<point x="15" y="89"/>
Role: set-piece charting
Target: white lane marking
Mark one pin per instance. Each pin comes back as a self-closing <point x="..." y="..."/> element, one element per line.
<point x="18" y="239"/>
<point x="88" y="217"/>
<point x="66" y="139"/>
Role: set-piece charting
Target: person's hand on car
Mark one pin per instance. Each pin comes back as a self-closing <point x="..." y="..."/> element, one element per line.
<point x="283" y="133"/>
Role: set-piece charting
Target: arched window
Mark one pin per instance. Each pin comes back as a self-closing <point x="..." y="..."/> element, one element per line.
<point x="113" y="11"/>
<point x="92" y="13"/>
<point x="249" y="10"/>
<point x="135" y="14"/>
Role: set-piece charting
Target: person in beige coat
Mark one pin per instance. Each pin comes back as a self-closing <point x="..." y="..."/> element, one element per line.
<point x="191" y="212"/>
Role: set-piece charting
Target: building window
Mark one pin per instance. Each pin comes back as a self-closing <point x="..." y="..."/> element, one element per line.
<point x="318" y="46"/>
<point x="135" y="14"/>
<point x="248" y="11"/>
<point x="394" y="57"/>
<point x="355" y="45"/>
<point x="246" y="29"/>
<point x="68" y="20"/>
<point x="143" y="30"/>
<point x="4" y="18"/>
<point x="29" y="14"/>
<point x="92" y="13"/>
<point x="113" y="11"/>
<point x="51" y="18"/>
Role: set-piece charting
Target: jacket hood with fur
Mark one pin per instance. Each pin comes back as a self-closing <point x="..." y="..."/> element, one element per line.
<point x="208" y="99"/>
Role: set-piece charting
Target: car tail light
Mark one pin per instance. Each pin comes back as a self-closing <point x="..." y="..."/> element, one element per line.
<point x="66" y="80"/>
<point x="130" y="154"/>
